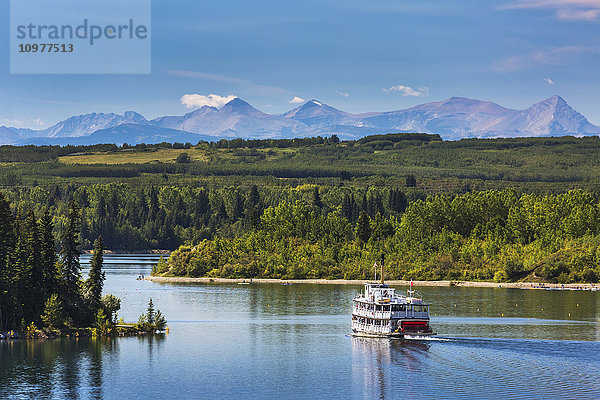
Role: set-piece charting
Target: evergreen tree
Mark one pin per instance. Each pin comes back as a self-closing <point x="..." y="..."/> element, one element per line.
<point x="48" y="258"/>
<point x="19" y="290"/>
<point x="237" y="207"/>
<point x="354" y="208"/>
<point x="153" y="204"/>
<point x="397" y="201"/>
<point x="363" y="228"/>
<point x="150" y="315"/>
<point x="34" y="278"/>
<point x="316" y="200"/>
<point x="160" y="323"/>
<point x="95" y="281"/>
<point x="253" y="208"/>
<point x="364" y="204"/>
<point x="70" y="267"/>
<point x="346" y="207"/>
<point x="201" y="207"/>
<point x="6" y="245"/>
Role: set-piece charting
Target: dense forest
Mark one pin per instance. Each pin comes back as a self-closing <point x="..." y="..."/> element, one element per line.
<point x="37" y="288"/>
<point x="133" y="218"/>
<point x="43" y="292"/>
<point x="491" y="235"/>
<point x="533" y="165"/>
<point x="347" y="202"/>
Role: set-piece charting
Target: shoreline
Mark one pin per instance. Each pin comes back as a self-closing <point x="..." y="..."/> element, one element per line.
<point x="513" y="285"/>
<point x="132" y="252"/>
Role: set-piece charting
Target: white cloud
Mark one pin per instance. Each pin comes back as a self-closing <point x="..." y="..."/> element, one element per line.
<point x="344" y="94"/>
<point x="408" y="91"/>
<point x="296" y="100"/>
<point x="200" y="100"/>
<point x="38" y="121"/>
<point x="549" y="81"/>
<point x="566" y="10"/>
<point x="578" y="15"/>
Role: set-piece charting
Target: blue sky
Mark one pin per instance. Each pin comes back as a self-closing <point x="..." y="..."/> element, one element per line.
<point x="358" y="56"/>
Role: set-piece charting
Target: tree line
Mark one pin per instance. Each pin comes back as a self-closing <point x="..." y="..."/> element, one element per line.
<point x="490" y="235"/>
<point x="132" y="218"/>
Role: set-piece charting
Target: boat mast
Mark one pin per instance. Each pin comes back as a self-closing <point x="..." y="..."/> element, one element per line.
<point x="382" y="268"/>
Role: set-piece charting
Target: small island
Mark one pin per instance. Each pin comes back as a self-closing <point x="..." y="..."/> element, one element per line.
<point x="43" y="295"/>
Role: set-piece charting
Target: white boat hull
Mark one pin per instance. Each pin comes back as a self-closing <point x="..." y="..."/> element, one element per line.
<point x="418" y="336"/>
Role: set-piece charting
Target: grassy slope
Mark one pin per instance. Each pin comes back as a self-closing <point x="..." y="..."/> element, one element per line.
<point x="132" y="157"/>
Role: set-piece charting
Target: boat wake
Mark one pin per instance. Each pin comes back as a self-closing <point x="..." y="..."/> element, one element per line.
<point x="416" y="338"/>
<point x="426" y="338"/>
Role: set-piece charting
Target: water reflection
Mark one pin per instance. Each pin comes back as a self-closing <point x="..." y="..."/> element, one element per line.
<point x="379" y="365"/>
<point x="62" y="368"/>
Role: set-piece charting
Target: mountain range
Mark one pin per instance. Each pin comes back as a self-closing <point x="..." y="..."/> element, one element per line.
<point x="453" y="119"/>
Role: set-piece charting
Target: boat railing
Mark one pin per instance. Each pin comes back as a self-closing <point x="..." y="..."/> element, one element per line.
<point x="409" y="314"/>
<point x="383" y="314"/>
<point x="371" y="328"/>
<point x="372" y="314"/>
<point x="390" y="314"/>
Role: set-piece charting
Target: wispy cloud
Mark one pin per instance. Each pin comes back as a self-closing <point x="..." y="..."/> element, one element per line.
<point x="200" y="100"/>
<point x="547" y="56"/>
<point x="15" y="123"/>
<point x="549" y="81"/>
<point x="296" y="100"/>
<point x="344" y="94"/>
<point x="566" y="10"/>
<point x="252" y="86"/>
<point x="408" y="91"/>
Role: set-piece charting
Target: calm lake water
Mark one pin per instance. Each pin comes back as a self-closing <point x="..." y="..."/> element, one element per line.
<point x="269" y="341"/>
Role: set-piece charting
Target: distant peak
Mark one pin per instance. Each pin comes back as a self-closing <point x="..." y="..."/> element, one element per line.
<point x="314" y="102"/>
<point x="239" y="106"/>
<point x="554" y="101"/>
<point x="237" y="102"/>
<point x="133" y="115"/>
<point x="456" y="99"/>
<point x="557" y="99"/>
